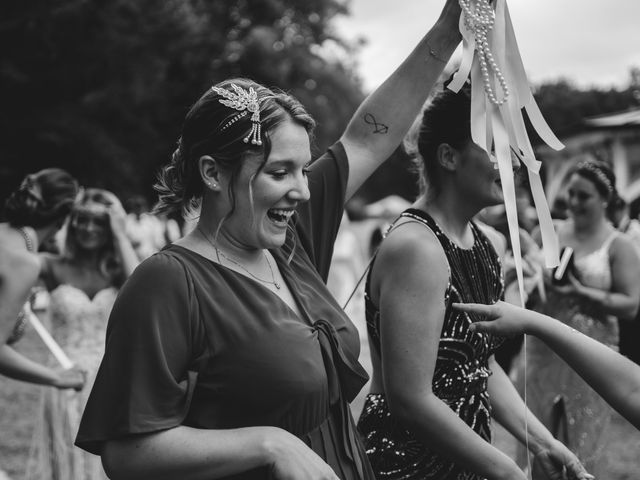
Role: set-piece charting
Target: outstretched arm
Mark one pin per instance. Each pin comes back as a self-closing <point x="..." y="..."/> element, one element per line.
<point x="611" y="375"/>
<point x="383" y="119"/>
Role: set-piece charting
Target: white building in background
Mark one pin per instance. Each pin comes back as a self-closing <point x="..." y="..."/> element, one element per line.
<point x="614" y="138"/>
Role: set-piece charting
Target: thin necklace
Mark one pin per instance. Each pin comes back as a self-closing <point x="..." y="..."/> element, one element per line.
<point x="219" y="253"/>
<point x="27" y="239"/>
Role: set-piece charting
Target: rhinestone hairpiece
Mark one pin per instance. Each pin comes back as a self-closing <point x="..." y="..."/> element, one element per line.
<point x="245" y="101"/>
<point x="32" y="187"/>
<point x="598" y="173"/>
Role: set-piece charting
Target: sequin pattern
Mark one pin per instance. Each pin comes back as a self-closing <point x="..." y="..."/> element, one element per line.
<point x="461" y="370"/>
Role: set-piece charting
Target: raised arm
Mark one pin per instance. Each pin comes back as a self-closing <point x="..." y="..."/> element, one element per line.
<point x="412" y="307"/>
<point x="122" y="243"/>
<point x="612" y="376"/>
<point x="383" y="119"/>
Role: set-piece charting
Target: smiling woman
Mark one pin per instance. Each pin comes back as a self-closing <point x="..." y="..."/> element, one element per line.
<point x="83" y="283"/>
<point x="603" y="284"/>
<point x="226" y="354"/>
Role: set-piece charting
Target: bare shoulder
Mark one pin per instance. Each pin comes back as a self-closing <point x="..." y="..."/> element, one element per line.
<point x="18" y="265"/>
<point x="622" y="247"/>
<point x="412" y="251"/>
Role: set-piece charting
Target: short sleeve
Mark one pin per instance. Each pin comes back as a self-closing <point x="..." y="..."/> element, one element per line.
<point x="319" y="218"/>
<point x="146" y="378"/>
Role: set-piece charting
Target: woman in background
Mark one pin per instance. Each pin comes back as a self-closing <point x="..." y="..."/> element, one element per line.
<point x="603" y="284"/>
<point x="435" y="383"/>
<point x="34" y="213"/>
<point x="83" y="283"/>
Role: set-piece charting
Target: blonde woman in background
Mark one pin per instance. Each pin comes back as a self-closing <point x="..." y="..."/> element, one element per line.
<point x="83" y="283"/>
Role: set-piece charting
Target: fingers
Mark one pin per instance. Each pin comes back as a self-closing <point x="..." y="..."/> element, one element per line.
<point x="576" y="470"/>
<point x="478" y="308"/>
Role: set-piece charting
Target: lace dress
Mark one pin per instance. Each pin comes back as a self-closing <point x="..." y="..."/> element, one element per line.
<point x="78" y="324"/>
<point x="461" y="370"/>
<point x="571" y="410"/>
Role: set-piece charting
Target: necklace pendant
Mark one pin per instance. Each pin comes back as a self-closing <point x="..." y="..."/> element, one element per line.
<point x="277" y="285"/>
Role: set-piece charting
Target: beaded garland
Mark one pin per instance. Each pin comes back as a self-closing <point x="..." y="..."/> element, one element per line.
<point x="479" y="18"/>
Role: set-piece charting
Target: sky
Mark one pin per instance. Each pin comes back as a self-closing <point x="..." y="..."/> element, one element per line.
<point x="592" y="43"/>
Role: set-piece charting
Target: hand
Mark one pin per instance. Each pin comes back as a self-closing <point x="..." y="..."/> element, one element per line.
<point x="73" y="377"/>
<point x="292" y="459"/>
<point x="501" y="318"/>
<point x="574" y="287"/>
<point x="557" y="462"/>
<point x="117" y="214"/>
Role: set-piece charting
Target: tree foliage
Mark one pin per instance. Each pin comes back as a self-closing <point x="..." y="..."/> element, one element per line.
<point x="564" y="105"/>
<point x="101" y="87"/>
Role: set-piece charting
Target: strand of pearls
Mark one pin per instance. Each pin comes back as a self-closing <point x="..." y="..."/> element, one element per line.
<point x="480" y="20"/>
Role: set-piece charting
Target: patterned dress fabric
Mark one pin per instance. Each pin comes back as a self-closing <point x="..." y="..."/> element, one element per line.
<point x="461" y="370"/>
<point x="555" y="393"/>
<point x="78" y="324"/>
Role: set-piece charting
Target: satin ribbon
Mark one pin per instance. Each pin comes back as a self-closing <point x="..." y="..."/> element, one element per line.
<point x="503" y="128"/>
<point x="346" y="377"/>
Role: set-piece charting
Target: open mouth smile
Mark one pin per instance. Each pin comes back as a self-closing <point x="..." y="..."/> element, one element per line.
<point x="280" y="215"/>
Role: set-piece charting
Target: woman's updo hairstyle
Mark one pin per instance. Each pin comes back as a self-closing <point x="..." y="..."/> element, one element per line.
<point x="601" y="175"/>
<point x="211" y="128"/>
<point x="446" y="119"/>
<point x="43" y="198"/>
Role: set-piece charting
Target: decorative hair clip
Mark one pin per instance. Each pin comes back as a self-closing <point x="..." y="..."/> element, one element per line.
<point x="30" y="185"/>
<point x="597" y="171"/>
<point x="244" y="101"/>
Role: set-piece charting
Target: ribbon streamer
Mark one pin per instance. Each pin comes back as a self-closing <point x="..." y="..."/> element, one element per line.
<point x="46" y="337"/>
<point x="501" y="129"/>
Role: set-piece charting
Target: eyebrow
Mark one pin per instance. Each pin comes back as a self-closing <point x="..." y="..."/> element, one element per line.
<point x="284" y="163"/>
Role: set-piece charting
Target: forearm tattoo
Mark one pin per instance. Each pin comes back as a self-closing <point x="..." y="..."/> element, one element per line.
<point x="369" y="119"/>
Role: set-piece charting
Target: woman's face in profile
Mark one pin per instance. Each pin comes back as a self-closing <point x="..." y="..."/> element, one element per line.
<point x="584" y="200"/>
<point x="266" y="197"/>
<point x="91" y="225"/>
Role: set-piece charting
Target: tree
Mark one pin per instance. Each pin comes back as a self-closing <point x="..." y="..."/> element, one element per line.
<point x="100" y="88"/>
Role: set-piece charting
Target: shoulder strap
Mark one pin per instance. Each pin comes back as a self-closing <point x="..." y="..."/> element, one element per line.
<point x="394" y="226"/>
<point x="607" y="243"/>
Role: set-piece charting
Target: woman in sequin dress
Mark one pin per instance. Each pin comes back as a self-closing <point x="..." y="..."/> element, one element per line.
<point x="83" y="283"/>
<point x="428" y="414"/>
<point x="604" y="285"/>
<point x="35" y="212"/>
